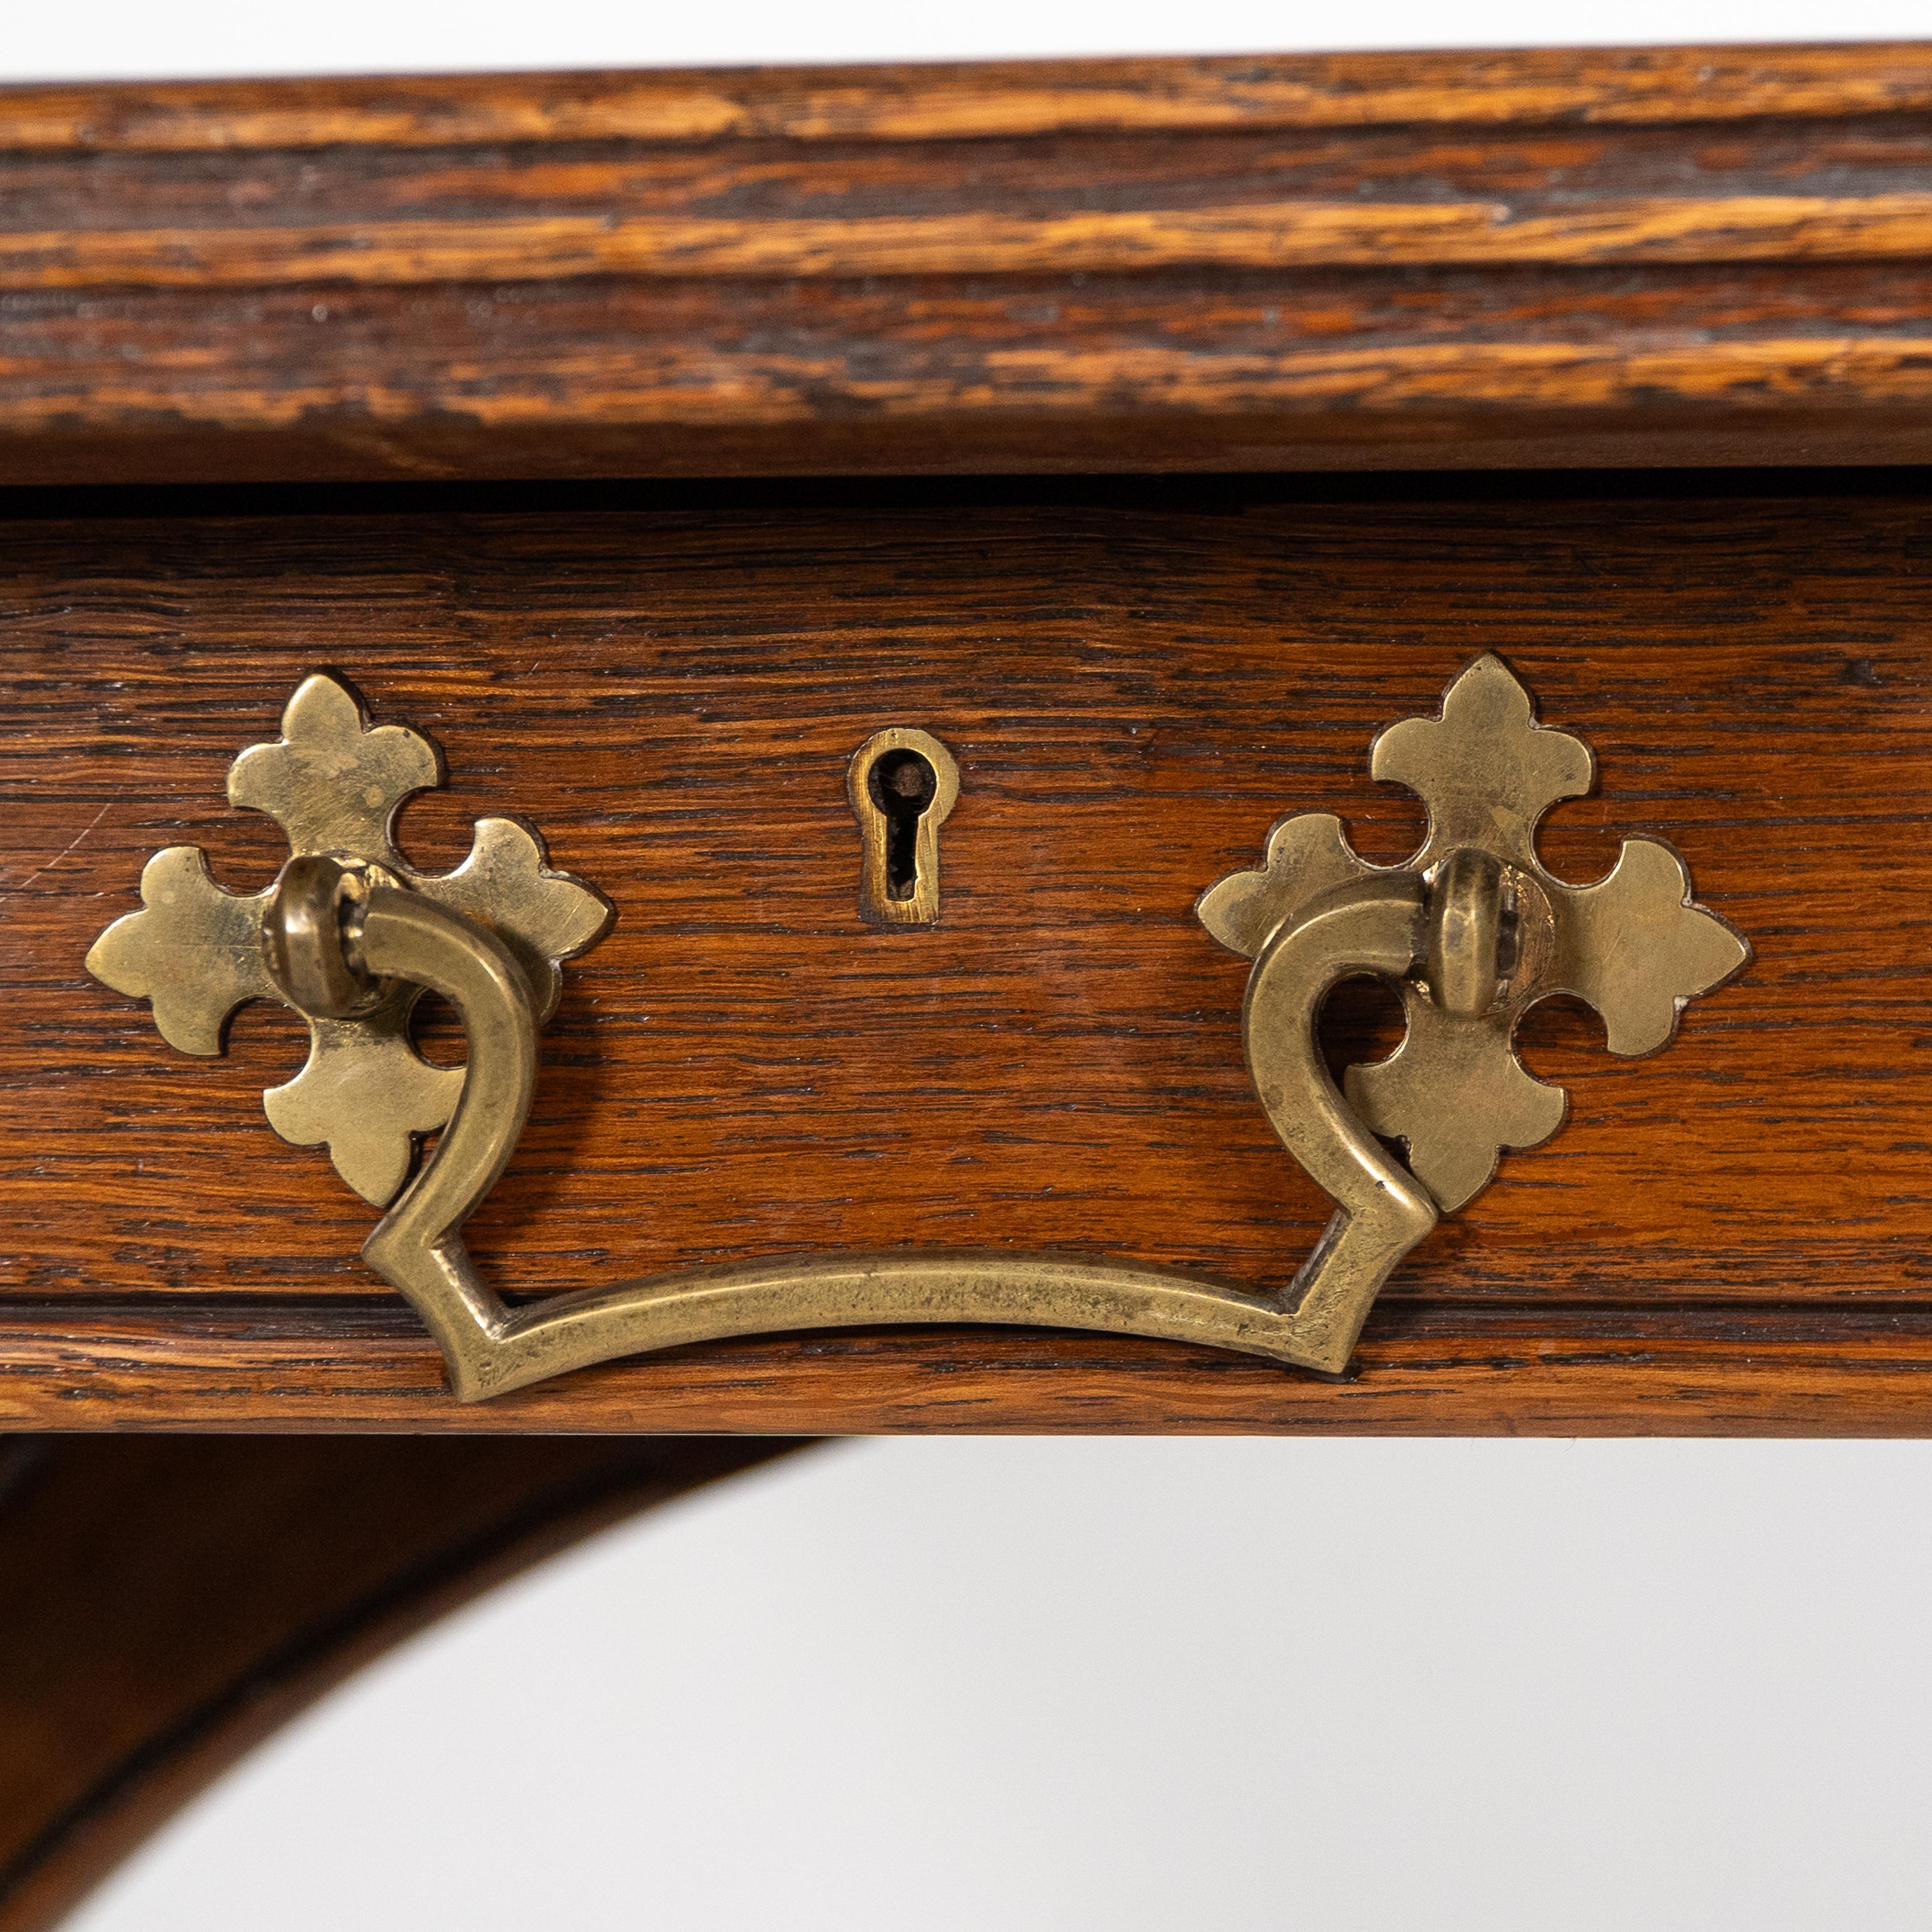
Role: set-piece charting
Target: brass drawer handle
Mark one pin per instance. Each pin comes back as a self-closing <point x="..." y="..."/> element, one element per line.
<point x="1474" y="929"/>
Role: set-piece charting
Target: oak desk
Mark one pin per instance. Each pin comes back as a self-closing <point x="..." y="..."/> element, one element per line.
<point x="1148" y="435"/>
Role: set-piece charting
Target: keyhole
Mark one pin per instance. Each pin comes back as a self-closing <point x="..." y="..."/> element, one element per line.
<point x="903" y="785"/>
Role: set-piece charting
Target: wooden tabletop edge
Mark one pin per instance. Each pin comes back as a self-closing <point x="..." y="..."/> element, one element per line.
<point x="976" y="100"/>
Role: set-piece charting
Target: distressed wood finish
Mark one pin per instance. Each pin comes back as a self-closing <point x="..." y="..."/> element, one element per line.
<point x="165" y="1605"/>
<point x="1732" y="1236"/>
<point x="1690" y="256"/>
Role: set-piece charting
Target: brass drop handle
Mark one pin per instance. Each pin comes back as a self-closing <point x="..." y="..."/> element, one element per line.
<point x="1474" y="931"/>
<point x="329" y="933"/>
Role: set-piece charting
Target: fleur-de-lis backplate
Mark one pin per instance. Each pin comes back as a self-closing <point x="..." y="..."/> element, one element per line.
<point x="335" y="784"/>
<point x="1634" y="945"/>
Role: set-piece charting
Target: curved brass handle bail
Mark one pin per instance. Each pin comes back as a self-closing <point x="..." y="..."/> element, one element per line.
<point x="1314" y="1322"/>
<point x="383" y="934"/>
<point x="1381" y="1211"/>
<point x="417" y="1246"/>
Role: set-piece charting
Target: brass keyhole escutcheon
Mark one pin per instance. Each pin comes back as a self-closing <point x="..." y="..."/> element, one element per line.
<point x="902" y="784"/>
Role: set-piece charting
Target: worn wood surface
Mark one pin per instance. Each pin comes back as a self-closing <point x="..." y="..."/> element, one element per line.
<point x="1689" y="256"/>
<point x="165" y="1605"/>
<point x="1734" y="1235"/>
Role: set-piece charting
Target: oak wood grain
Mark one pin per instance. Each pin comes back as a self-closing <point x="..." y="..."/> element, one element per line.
<point x="1684" y="1370"/>
<point x="976" y="100"/>
<point x="1684" y="256"/>
<point x="1135" y="683"/>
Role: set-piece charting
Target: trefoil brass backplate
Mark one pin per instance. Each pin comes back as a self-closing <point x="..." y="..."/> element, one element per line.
<point x="1474" y="929"/>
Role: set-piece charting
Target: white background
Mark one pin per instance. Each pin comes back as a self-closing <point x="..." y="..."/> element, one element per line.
<point x="1125" y="1686"/>
<point x="112" y="38"/>
<point x="1078" y="1686"/>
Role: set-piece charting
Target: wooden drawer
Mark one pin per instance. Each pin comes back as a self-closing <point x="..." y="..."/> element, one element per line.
<point x="1136" y="683"/>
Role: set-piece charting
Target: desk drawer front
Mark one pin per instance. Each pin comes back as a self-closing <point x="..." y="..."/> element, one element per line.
<point x="1133" y="688"/>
